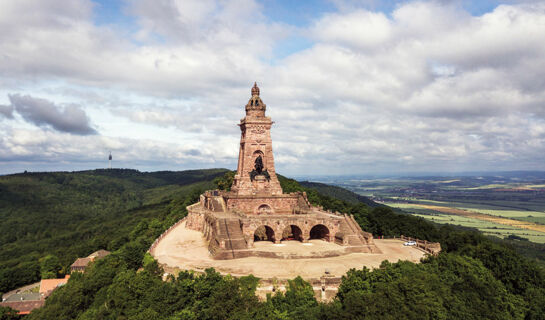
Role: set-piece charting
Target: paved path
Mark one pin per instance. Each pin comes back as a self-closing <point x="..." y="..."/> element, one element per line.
<point x="186" y="249"/>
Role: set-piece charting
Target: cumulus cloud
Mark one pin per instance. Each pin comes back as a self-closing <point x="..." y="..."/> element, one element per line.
<point x="180" y="48"/>
<point x="44" y="113"/>
<point x="427" y="86"/>
<point x="24" y="149"/>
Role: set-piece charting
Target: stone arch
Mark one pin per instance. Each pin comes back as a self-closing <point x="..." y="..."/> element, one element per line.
<point x="264" y="209"/>
<point x="257" y="153"/>
<point x="320" y="232"/>
<point x="264" y="233"/>
<point x="292" y="232"/>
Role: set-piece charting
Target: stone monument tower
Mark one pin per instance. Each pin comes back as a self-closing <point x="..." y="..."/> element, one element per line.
<point x="255" y="172"/>
<point x="256" y="209"/>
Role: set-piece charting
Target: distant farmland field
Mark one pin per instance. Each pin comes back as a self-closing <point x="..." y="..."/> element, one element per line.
<point x="499" y="203"/>
<point x="492" y="222"/>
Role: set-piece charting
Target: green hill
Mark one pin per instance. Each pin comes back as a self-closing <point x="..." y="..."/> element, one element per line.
<point x="71" y="214"/>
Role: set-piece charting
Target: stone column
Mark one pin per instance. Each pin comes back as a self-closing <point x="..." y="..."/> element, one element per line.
<point x="306" y="236"/>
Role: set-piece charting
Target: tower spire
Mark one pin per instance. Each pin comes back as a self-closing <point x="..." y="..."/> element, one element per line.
<point x="255" y="90"/>
<point x="255" y="107"/>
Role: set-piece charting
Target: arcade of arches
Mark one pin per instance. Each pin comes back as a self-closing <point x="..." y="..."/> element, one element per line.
<point x="291" y="232"/>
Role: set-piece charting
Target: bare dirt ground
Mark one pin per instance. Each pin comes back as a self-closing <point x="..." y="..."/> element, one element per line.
<point x="486" y="217"/>
<point x="184" y="249"/>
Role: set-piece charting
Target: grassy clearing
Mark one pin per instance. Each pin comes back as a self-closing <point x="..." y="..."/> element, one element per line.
<point x="485" y="217"/>
<point x="418" y="200"/>
<point x="507" y="186"/>
<point x="506" y="213"/>
<point x="535" y="186"/>
<point x="523" y="206"/>
<point x="538" y="220"/>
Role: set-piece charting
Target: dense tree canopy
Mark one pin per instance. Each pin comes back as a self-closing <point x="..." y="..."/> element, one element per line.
<point x="71" y="214"/>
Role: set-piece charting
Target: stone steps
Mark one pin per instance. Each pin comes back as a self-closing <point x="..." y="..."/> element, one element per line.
<point x="218" y="204"/>
<point x="231" y="232"/>
<point x="351" y="231"/>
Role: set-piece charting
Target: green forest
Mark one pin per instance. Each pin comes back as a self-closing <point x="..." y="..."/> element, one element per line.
<point x="49" y="219"/>
<point x="71" y="214"/>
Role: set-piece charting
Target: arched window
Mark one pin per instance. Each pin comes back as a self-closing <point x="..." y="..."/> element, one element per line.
<point x="264" y="209"/>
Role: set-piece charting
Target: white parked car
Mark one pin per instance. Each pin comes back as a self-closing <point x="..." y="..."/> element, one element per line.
<point x="410" y="243"/>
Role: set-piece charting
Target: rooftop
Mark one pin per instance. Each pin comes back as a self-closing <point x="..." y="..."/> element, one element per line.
<point x="24" y="307"/>
<point x="98" y="254"/>
<point x="26" y="296"/>
<point x="81" y="262"/>
<point x="48" y="285"/>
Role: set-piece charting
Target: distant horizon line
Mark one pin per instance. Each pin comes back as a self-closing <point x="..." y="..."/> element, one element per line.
<point x="314" y="176"/>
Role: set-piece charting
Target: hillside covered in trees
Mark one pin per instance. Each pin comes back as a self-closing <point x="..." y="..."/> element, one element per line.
<point x="71" y="214"/>
<point x="124" y="211"/>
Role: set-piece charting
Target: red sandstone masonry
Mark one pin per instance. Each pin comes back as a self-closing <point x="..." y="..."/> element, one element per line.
<point x="255" y="141"/>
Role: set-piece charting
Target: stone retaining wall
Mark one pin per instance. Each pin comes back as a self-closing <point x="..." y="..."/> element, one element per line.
<point x="156" y="242"/>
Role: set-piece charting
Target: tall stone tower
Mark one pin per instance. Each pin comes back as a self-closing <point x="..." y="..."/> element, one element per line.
<point x="256" y="208"/>
<point x="256" y="173"/>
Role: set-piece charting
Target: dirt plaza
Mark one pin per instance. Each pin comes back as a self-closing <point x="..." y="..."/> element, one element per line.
<point x="185" y="249"/>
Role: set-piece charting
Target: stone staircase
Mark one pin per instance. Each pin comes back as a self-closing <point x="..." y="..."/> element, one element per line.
<point x="230" y="232"/>
<point x="352" y="231"/>
<point x="217" y="204"/>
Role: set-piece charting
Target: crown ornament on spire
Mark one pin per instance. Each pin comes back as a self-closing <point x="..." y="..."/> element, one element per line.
<point x="255" y="90"/>
<point x="255" y="106"/>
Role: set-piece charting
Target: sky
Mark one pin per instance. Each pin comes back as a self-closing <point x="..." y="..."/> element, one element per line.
<point x="354" y="87"/>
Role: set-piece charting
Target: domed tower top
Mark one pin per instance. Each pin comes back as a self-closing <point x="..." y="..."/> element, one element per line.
<point x="255" y="106"/>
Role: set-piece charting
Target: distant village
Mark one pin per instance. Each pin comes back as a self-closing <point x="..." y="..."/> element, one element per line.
<point x="30" y="297"/>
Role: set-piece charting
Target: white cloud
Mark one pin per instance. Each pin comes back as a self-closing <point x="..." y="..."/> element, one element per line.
<point x="360" y="29"/>
<point x="428" y="87"/>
